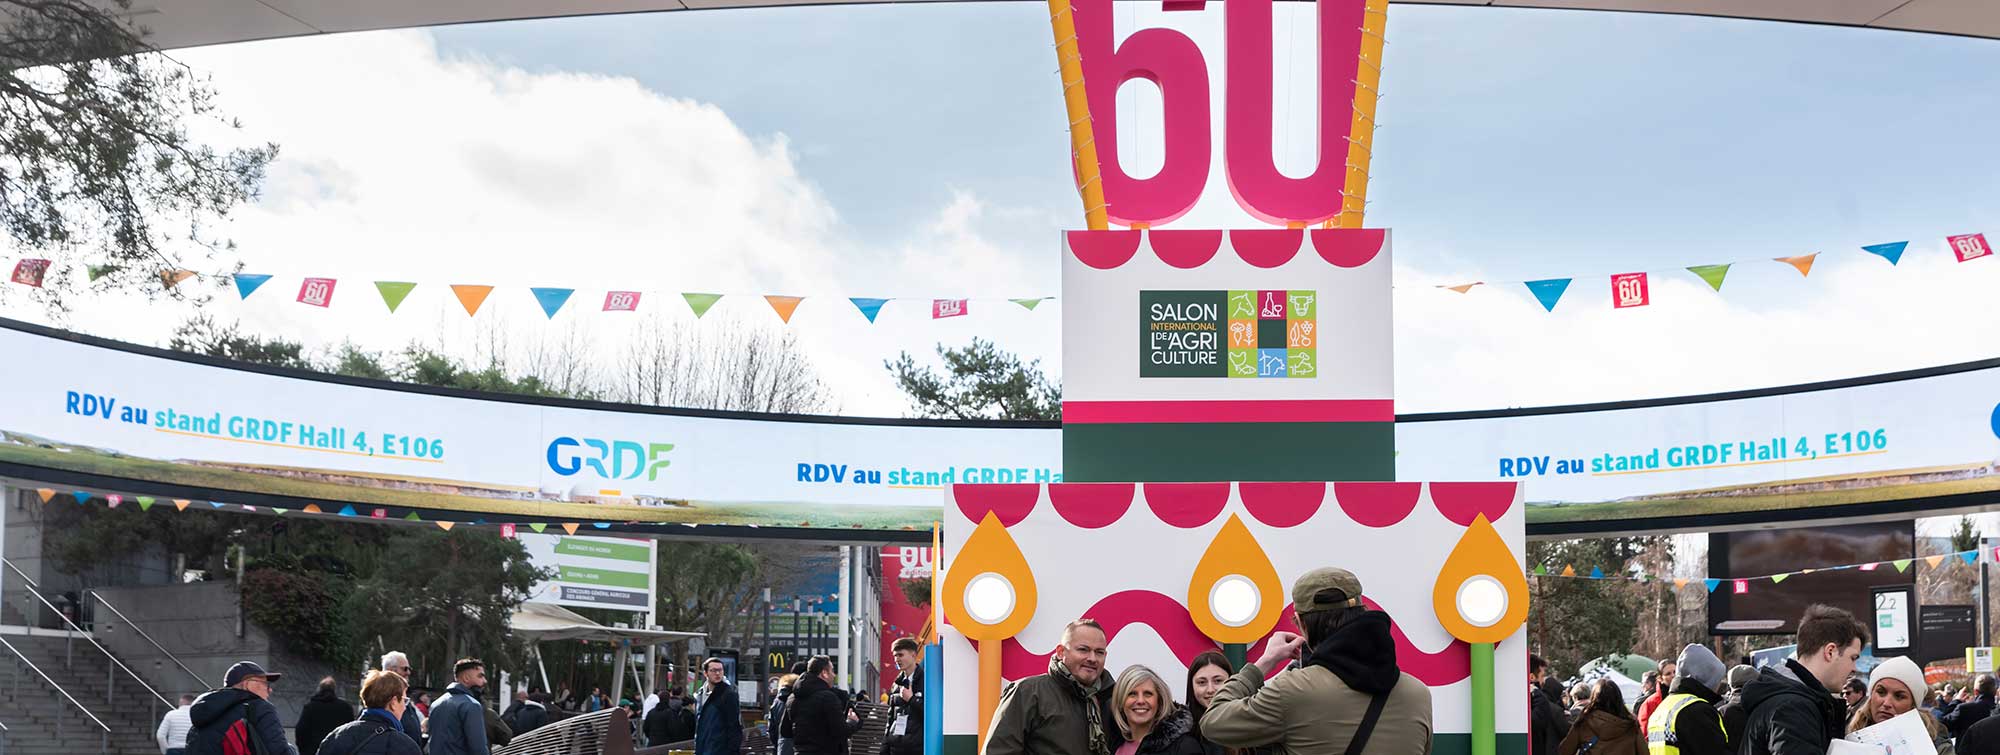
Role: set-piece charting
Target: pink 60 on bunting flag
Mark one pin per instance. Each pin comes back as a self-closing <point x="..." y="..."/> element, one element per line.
<point x="316" y="291"/>
<point x="1629" y="290"/>
<point x="942" y="308"/>
<point x="30" y="272"/>
<point x="621" y="301"/>
<point x="1742" y="587"/>
<point x="507" y="531"/>
<point x="1970" y="246"/>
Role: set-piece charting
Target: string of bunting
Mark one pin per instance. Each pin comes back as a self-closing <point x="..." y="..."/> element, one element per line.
<point x="1741" y="585"/>
<point x="1635" y="290"/>
<point x="319" y="292"/>
<point x="345" y="510"/>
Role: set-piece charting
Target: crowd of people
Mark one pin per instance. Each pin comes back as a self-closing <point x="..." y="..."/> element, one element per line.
<point x="1693" y="705"/>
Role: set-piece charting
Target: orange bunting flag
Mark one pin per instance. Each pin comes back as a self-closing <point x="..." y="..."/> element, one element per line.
<point x="1803" y="262"/>
<point x="1569" y="571"/>
<point x="311" y="508"/>
<point x="471" y="296"/>
<point x="1680" y="583"/>
<point x="1934" y="561"/>
<point x="181" y="504"/>
<point x="45" y="493"/>
<point x="446" y="526"/>
<point x="570" y="527"/>
<point x="784" y="306"/>
<point x="174" y="277"/>
<point x="1463" y="287"/>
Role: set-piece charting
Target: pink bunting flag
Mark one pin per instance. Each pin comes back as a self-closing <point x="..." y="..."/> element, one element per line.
<point x="316" y="291"/>
<point x="507" y="531"/>
<point x="30" y="272"/>
<point x="942" y="308"/>
<point x="1629" y="290"/>
<point x="621" y="301"/>
<point x="1970" y="246"/>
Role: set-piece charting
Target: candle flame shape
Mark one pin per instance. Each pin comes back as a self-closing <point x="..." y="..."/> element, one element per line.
<point x="989" y="551"/>
<point x="1481" y="575"/>
<point x="1235" y="556"/>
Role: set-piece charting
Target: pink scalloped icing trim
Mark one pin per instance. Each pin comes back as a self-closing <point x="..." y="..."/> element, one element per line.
<point x="1461" y="502"/>
<point x="1187" y="505"/>
<point x="1282" y="504"/>
<point x="1186" y="250"/>
<point x="1010" y="502"/>
<point x="1378" y="504"/>
<point x="1091" y="505"/>
<point x="1348" y="247"/>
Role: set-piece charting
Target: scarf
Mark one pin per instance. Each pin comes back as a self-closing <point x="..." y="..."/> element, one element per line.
<point x="384" y="714"/>
<point x="1099" y="744"/>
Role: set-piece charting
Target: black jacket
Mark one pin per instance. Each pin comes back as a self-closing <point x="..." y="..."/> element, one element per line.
<point x="1981" y="738"/>
<point x="215" y="711"/>
<point x="1734" y="715"/>
<point x="1174" y="736"/>
<point x="1966" y="714"/>
<point x="372" y="734"/>
<point x="663" y="725"/>
<point x="1548" y="723"/>
<point x="816" y="719"/>
<point x="1698" y="729"/>
<point x="1791" y="713"/>
<point x="912" y="741"/>
<point x="531" y="716"/>
<point x="322" y="714"/>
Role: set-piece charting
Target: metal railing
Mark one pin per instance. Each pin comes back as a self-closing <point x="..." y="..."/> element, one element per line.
<point x="111" y="679"/>
<point x="198" y="683"/>
<point x="104" y="732"/>
<point x="3" y="738"/>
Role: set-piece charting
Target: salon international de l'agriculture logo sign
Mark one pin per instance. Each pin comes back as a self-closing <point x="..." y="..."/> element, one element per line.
<point x="1237" y="334"/>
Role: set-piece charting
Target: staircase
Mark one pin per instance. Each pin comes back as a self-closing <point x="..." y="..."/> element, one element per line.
<point x="41" y="721"/>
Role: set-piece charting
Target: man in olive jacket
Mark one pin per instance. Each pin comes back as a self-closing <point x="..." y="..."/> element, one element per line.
<point x="1066" y="711"/>
<point x="1348" y="676"/>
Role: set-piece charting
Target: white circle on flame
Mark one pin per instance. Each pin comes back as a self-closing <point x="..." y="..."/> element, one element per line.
<point x="1234" y="600"/>
<point x="1482" y="601"/>
<point x="989" y="597"/>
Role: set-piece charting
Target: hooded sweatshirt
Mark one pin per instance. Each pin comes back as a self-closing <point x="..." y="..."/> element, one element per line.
<point x="216" y="711"/>
<point x="1317" y="708"/>
<point x="1791" y="713"/>
<point x="322" y="714"/>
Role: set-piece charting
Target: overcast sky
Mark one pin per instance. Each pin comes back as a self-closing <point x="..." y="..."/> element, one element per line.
<point x="919" y="150"/>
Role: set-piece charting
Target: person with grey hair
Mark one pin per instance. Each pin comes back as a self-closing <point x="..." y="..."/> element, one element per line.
<point x="1732" y="710"/>
<point x="1579" y="700"/>
<point x="397" y="663"/>
<point x="1143" y="706"/>
<point x="1686" y="722"/>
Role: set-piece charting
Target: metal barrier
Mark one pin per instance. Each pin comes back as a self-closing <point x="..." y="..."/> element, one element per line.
<point x="607" y="731"/>
<point x="111" y="679"/>
<point x="104" y="735"/>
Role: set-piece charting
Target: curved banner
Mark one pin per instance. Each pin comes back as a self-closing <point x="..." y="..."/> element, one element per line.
<point x="1874" y="447"/>
<point x="139" y="418"/>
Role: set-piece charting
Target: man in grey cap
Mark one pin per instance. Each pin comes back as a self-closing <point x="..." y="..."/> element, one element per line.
<point x="1732" y="710"/>
<point x="1346" y="696"/>
<point x="240" y="711"/>
<point x="1686" y="722"/>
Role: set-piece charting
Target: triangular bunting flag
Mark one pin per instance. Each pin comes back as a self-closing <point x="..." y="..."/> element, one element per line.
<point x="1803" y="262"/>
<point x="1934" y="560"/>
<point x="172" y="278"/>
<point x="281" y="512"/>
<point x="570" y="527"/>
<point x="1870" y="567"/>
<point x="471" y="296"/>
<point x="1711" y="584"/>
<point x="99" y="271"/>
<point x="216" y="504"/>
<point x="1568" y="570"/>
<point x="1596" y="573"/>
<point x="444" y="525"/>
<point x="1902" y="564"/>
<point x="869" y="307"/>
<point x="1548" y="292"/>
<point x="145" y="502"/>
<point x="248" y="507"/>
<point x="393" y="292"/>
<point x="45" y="493"/>
<point x="1541" y="569"/>
<point x="552" y="299"/>
<point x="701" y="302"/>
<point x="539" y="526"/>
<point x="312" y="508"/>
<point x="246" y="284"/>
<point x="1713" y="274"/>
<point x="784" y="305"/>
<point x="346" y="511"/>
<point x="1805" y="571"/>
<point x="1778" y="578"/>
<point x="81" y="496"/>
<point x="1971" y="557"/>
<point x="181" y="504"/>
<point x="601" y="525"/>
<point x="412" y="517"/>
<point x="1463" y="287"/>
<point x="1028" y="304"/>
<point x="1680" y="583"/>
<point x="1892" y="251"/>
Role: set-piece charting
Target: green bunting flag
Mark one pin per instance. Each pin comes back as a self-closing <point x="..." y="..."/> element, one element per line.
<point x="701" y="302"/>
<point x="1903" y="565"/>
<point x="1778" y="578"/>
<point x="539" y="526"/>
<point x="1713" y="274"/>
<point x="145" y="502"/>
<point x="99" y="271"/>
<point x="412" y="516"/>
<point x="1029" y="304"/>
<point x="281" y="512"/>
<point x="393" y="292"/>
<point x="1542" y="569"/>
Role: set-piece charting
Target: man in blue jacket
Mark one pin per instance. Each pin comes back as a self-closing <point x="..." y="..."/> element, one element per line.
<point x="718" y="723"/>
<point x="458" y="720"/>
<point x="238" y="718"/>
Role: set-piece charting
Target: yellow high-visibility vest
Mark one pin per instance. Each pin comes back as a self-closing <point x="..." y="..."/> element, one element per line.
<point x="1661" y="739"/>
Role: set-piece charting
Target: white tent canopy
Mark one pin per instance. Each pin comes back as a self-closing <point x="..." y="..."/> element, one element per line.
<point x="536" y="622"/>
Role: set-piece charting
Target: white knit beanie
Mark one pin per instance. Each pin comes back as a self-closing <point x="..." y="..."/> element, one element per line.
<point x="1905" y="671"/>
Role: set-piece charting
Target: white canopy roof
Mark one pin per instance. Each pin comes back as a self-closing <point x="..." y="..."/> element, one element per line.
<point x="190" y="23"/>
<point x="535" y="622"/>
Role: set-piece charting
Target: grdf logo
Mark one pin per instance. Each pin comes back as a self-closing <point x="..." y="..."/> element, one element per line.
<point x="568" y="456"/>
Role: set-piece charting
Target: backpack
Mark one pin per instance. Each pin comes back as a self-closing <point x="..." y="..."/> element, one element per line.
<point x="238" y="739"/>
